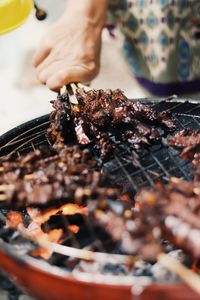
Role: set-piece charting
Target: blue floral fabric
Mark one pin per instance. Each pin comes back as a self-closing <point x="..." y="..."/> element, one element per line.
<point x="162" y="42"/>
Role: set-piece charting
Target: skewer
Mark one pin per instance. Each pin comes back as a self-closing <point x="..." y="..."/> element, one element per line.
<point x="187" y="275"/>
<point x="85" y="87"/>
<point x="81" y="136"/>
<point x="170" y="263"/>
<point x="3" y="197"/>
<point x="5" y="187"/>
<point x="28" y="176"/>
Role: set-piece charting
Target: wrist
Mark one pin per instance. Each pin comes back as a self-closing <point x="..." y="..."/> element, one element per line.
<point x="94" y="11"/>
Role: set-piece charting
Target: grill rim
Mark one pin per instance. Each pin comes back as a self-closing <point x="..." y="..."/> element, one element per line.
<point x="40" y="264"/>
<point x="54" y="270"/>
<point x="10" y="135"/>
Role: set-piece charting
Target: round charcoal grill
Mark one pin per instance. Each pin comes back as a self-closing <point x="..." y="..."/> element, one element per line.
<point x="66" y="275"/>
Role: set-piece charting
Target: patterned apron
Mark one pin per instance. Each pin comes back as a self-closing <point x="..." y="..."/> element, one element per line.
<point x="162" y="42"/>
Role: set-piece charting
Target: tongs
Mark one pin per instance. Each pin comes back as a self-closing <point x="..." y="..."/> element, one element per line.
<point x="78" y="120"/>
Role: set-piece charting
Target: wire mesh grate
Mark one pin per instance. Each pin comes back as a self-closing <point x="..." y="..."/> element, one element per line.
<point x="155" y="163"/>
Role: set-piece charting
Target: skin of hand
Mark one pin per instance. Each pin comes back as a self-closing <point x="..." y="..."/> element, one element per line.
<point x="70" y="50"/>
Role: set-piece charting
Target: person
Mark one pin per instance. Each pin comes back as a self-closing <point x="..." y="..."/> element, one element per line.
<point x="161" y="43"/>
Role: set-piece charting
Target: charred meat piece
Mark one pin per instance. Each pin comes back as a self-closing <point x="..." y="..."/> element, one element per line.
<point x="185" y="138"/>
<point x="61" y="129"/>
<point x="165" y="119"/>
<point x="67" y="123"/>
<point x="100" y="113"/>
<point x="136" y="232"/>
<point x="177" y="207"/>
<point x="112" y="107"/>
<point x="135" y="140"/>
<point x="80" y="125"/>
<point x="71" y="174"/>
<point x="170" y="212"/>
<point x="188" y="140"/>
<point x="102" y="143"/>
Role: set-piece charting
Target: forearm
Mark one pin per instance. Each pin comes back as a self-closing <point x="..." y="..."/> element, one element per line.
<point x="94" y="10"/>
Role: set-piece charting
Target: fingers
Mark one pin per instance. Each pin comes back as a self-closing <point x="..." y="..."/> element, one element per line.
<point x="47" y="72"/>
<point x="41" y="55"/>
<point x="64" y="77"/>
<point x="47" y="63"/>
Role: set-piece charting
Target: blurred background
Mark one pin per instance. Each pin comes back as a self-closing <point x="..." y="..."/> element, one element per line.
<point x="22" y="97"/>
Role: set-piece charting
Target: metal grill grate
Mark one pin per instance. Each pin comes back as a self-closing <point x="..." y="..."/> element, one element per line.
<point x="156" y="162"/>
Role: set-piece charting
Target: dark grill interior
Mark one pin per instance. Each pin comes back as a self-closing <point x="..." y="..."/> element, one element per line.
<point x="157" y="162"/>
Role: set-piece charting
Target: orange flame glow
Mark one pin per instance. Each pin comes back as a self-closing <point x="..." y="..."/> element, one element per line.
<point x="54" y="236"/>
<point x="38" y="217"/>
<point x="66" y="209"/>
<point x="74" y="228"/>
<point x="14" y="219"/>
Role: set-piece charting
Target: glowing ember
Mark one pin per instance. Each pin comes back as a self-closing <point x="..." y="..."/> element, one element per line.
<point x="74" y="228"/>
<point x="14" y="219"/>
<point x="67" y="209"/>
<point x="54" y="236"/>
<point x="38" y="217"/>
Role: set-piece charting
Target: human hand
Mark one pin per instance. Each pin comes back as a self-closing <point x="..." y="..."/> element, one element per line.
<point x="69" y="51"/>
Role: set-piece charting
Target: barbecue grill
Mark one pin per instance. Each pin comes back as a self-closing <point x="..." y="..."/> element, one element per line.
<point x="89" y="264"/>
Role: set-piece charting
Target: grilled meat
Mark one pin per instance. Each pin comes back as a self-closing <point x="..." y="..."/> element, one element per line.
<point x="136" y="232"/>
<point x="71" y="174"/>
<point x="169" y="212"/>
<point x="61" y="129"/>
<point x="188" y="140"/>
<point x="102" y="112"/>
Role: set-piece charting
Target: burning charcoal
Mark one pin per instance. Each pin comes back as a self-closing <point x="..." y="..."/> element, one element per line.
<point x="161" y="274"/>
<point x="7" y="234"/>
<point x="61" y="221"/>
<point x="167" y="246"/>
<point x="142" y="268"/>
<point x="88" y="267"/>
<point x="114" y="269"/>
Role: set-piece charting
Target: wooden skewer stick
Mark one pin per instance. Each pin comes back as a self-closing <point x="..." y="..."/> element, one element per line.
<point x="187" y="275"/>
<point x="3" y="189"/>
<point x="73" y="87"/>
<point x="63" y="90"/>
<point x="81" y="135"/>
<point x="172" y="264"/>
<point x="6" y="187"/>
<point x="72" y="97"/>
<point x="85" y="87"/>
<point x="72" y="92"/>
<point x="3" y="197"/>
<point x="28" y="176"/>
